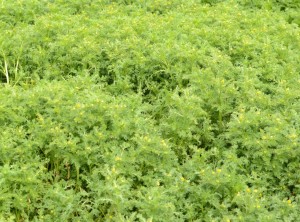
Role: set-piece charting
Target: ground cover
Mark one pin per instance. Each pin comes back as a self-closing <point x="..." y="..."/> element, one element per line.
<point x="149" y="110"/>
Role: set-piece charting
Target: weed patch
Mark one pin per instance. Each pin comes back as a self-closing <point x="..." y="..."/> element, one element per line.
<point x="149" y="110"/>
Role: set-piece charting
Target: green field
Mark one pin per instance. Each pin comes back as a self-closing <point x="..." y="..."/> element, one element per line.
<point x="150" y="110"/>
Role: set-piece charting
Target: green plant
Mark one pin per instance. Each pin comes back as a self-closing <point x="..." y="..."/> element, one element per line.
<point x="149" y="110"/>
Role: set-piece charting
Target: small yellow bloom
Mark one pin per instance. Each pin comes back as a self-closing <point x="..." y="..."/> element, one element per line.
<point x="163" y="143"/>
<point x="293" y="136"/>
<point x="77" y="105"/>
<point x="241" y="117"/>
<point x="118" y="158"/>
<point x="146" y="138"/>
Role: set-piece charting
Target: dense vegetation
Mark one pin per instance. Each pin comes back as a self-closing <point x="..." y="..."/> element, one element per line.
<point x="141" y="110"/>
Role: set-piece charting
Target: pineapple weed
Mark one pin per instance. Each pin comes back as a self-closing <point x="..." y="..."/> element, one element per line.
<point x="149" y="110"/>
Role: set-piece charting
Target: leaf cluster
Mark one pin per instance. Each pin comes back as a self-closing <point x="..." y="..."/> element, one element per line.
<point x="149" y="110"/>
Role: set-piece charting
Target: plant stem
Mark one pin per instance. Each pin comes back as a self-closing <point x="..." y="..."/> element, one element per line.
<point x="6" y="71"/>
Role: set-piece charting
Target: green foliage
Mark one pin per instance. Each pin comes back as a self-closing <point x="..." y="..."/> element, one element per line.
<point x="149" y="110"/>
